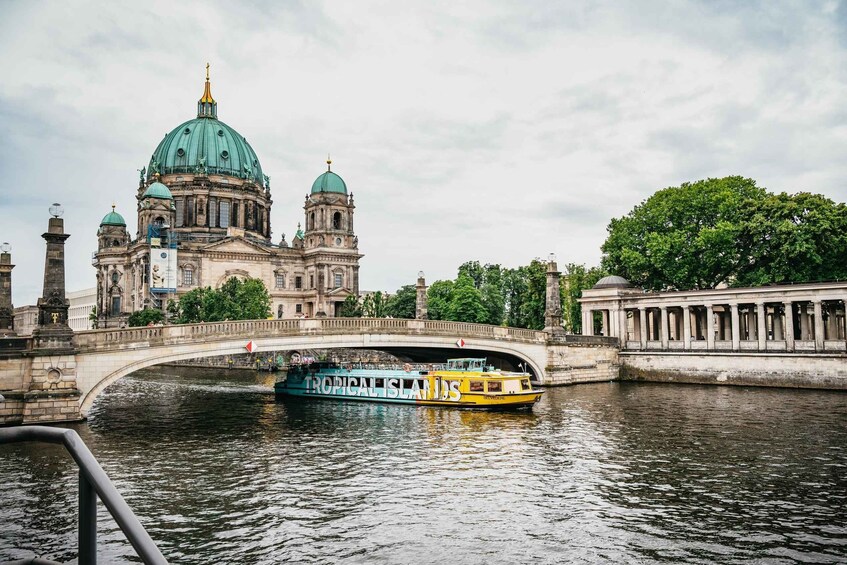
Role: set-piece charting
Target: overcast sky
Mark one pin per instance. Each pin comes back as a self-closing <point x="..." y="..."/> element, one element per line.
<point x="497" y="131"/>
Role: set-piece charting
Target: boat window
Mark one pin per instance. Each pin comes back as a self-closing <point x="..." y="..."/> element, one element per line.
<point x="476" y="386"/>
<point x="380" y="383"/>
<point x="495" y="386"/>
<point x="525" y="384"/>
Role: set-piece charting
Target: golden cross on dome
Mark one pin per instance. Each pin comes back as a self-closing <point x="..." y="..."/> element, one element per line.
<point x="328" y="163"/>
<point x="207" y="71"/>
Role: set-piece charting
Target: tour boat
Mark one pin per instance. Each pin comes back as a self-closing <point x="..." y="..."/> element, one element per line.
<point x="465" y="383"/>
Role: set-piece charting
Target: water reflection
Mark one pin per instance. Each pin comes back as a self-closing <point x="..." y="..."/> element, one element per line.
<point x="220" y="471"/>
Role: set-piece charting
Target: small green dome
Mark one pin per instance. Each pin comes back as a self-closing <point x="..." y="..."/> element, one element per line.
<point x="329" y="182"/>
<point x="158" y="190"/>
<point x="113" y="219"/>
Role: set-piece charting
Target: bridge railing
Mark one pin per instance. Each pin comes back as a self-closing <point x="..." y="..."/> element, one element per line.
<point x="95" y="339"/>
<point x="93" y="483"/>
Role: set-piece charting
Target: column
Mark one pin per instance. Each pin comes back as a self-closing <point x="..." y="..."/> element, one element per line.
<point x="604" y="322"/>
<point x="553" y="302"/>
<point x="642" y="325"/>
<point x="663" y="327"/>
<point x="789" y="326"/>
<point x="805" y="327"/>
<point x="735" y="331"/>
<point x="686" y="327"/>
<point x="710" y="328"/>
<point x="622" y="326"/>
<point x="818" y="325"/>
<point x="761" y="329"/>
<point x="778" y="334"/>
<point x="7" y="318"/>
<point x="420" y="297"/>
<point x="587" y="325"/>
<point x="751" y="324"/>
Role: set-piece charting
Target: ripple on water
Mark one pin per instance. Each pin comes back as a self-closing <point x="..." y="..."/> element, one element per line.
<point x="219" y="471"/>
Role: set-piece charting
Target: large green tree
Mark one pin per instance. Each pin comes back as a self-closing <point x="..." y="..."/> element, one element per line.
<point x="682" y="237"/>
<point x="793" y="238"/>
<point x="235" y="300"/>
<point x="351" y="308"/>
<point x="145" y="317"/>
<point x="466" y="302"/>
<point x="402" y="303"/>
<point x="439" y="295"/>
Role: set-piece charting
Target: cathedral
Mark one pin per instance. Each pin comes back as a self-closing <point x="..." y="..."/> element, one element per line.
<point x="203" y="211"/>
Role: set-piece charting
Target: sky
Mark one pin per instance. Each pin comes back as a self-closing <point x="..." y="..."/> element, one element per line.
<point x="489" y="131"/>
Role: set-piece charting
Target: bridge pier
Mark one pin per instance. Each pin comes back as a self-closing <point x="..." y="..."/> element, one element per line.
<point x="52" y="394"/>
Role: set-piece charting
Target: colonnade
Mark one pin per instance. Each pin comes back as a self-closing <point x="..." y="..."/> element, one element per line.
<point x="660" y="323"/>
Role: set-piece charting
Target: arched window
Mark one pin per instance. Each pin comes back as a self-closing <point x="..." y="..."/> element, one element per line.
<point x="159" y="222"/>
<point x="312" y="221"/>
<point x="336" y="221"/>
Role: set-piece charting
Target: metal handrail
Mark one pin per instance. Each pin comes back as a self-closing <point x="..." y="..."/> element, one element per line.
<point x="93" y="482"/>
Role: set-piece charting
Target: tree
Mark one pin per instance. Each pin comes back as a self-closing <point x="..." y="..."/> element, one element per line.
<point x="575" y="279"/>
<point x="235" y="300"/>
<point x="92" y="318"/>
<point x="402" y="304"/>
<point x="145" y="317"/>
<point x="493" y="295"/>
<point x="351" y="308"/>
<point x="466" y="302"/>
<point x="438" y="297"/>
<point x="793" y="238"/>
<point x="682" y="237"/>
<point x="373" y="305"/>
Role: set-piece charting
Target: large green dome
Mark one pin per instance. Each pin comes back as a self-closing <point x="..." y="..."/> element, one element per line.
<point x="206" y="143"/>
<point x="329" y="182"/>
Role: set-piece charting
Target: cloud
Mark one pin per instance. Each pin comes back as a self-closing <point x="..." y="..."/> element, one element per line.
<point x="497" y="131"/>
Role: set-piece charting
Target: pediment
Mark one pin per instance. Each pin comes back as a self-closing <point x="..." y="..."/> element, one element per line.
<point x="236" y="245"/>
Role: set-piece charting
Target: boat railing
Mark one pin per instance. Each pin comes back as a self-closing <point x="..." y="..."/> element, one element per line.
<point x="93" y="483"/>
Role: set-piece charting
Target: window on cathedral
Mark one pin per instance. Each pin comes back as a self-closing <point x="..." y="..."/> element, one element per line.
<point x="189" y="211"/>
<point x="311" y="281"/>
<point x="234" y="220"/>
<point x="213" y="212"/>
<point x="336" y="221"/>
<point x="311" y="221"/>
<point x="298" y="283"/>
<point x="298" y="308"/>
<point x="187" y="276"/>
<point x="338" y="281"/>
<point x="180" y="212"/>
<point x="224" y="206"/>
<point x="159" y="222"/>
<point x="280" y="280"/>
<point x="116" y="306"/>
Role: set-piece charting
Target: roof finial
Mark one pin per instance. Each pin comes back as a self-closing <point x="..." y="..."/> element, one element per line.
<point x="328" y="163"/>
<point x="206" y="106"/>
<point x="113" y="206"/>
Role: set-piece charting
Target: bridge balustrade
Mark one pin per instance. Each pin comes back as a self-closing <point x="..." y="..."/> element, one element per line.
<point x="97" y="339"/>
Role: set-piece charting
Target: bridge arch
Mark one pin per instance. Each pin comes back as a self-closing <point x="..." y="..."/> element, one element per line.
<point x="107" y="355"/>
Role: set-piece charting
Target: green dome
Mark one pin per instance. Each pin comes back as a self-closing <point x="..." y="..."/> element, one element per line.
<point x="206" y="144"/>
<point x="157" y="190"/>
<point x="113" y="219"/>
<point x="329" y="182"/>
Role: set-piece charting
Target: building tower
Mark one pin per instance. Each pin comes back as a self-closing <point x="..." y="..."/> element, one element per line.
<point x="330" y="244"/>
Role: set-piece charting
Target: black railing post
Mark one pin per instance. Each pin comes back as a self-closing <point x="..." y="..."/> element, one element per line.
<point x="87" y="522"/>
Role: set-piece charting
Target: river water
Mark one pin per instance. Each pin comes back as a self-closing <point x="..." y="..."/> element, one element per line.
<point x="221" y="472"/>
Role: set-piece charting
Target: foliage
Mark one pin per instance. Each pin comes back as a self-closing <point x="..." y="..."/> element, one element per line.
<point x="682" y="237"/>
<point x="351" y="308"/>
<point x="466" y="302"/>
<point x="373" y="305"/>
<point x="145" y="317"/>
<point x="402" y="303"/>
<point x="235" y="300"/>
<point x="728" y="230"/>
<point x="92" y="318"/>
<point x="793" y="238"/>
<point x="575" y="279"/>
<point x="438" y="297"/>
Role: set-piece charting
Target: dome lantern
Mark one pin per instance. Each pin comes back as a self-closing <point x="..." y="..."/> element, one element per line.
<point x="206" y="106"/>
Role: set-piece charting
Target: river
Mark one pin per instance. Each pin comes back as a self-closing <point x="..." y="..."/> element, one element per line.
<point x="221" y="472"/>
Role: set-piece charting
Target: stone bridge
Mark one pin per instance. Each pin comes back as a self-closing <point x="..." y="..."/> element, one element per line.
<point x="50" y="385"/>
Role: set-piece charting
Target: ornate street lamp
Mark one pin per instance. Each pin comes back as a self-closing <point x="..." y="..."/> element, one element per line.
<point x="5" y="247"/>
<point x="56" y="210"/>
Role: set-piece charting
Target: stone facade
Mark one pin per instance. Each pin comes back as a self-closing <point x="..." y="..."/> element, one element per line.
<point x="213" y="219"/>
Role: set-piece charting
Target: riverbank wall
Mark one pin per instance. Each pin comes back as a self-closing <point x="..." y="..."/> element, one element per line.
<point x="795" y="370"/>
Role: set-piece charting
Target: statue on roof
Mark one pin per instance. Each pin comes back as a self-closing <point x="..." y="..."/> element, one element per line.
<point x="141" y="173"/>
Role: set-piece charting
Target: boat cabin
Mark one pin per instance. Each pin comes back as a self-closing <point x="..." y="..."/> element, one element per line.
<point x="468" y="364"/>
